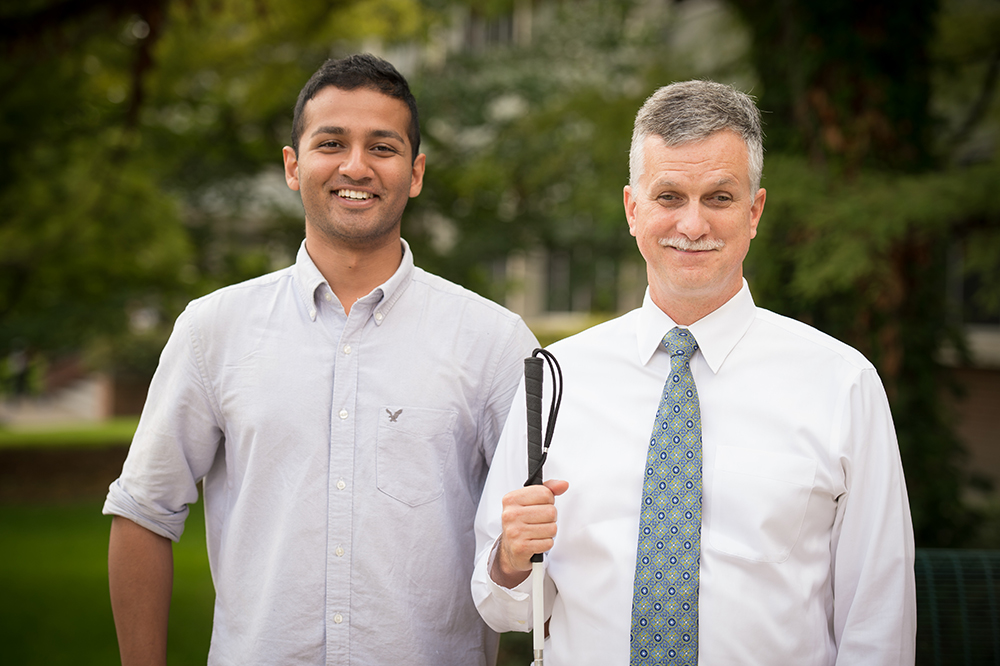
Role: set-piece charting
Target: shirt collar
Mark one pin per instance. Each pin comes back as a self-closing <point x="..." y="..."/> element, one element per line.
<point x="308" y="280"/>
<point x="389" y="292"/>
<point x="717" y="333"/>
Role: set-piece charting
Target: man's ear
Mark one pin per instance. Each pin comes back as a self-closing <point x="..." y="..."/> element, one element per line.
<point x="417" y="175"/>
<point x="291" y="167"/>
<point x="630" y="204"/>
<point x="756" y="210"/>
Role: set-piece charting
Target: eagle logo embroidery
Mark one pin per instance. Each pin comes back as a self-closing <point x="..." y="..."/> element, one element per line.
<point x="392" y="416"/>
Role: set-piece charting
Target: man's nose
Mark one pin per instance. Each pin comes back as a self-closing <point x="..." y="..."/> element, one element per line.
<point x="692" y="222"/>
<point x="356" y="164"/>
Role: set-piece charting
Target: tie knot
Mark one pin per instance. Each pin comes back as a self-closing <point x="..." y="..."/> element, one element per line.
<point x="680" y="342"/>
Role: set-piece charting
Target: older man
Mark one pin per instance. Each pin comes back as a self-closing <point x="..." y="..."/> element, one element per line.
<point x="764" y="520"/>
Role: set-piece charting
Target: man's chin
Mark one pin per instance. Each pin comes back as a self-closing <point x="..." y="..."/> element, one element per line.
<point x="360" y="239"/>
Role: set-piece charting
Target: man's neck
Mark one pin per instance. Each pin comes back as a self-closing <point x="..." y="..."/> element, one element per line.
<point x="353" y="272"/>
<point x="686" y="311"/>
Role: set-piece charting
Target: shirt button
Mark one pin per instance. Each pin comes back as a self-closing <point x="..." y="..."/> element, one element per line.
<point x="341" y="485"/>
<point x="347" y="349"/>
<point x="339" y="552"/>
<point x="328" y="297"/>
<point x="378" y="316"/>
<point x="338" y="618"/>
<point x="343" y="413"/>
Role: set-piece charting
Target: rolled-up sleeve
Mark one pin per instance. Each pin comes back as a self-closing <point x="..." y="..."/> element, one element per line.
<point x="176" y="441"/>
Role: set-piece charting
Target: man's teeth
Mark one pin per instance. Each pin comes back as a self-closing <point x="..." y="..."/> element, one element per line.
<point x="354" y="194"/>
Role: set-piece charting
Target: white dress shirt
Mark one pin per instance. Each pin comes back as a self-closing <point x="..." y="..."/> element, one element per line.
<point x="807" y="544"/>
<point x="342" y="456"/>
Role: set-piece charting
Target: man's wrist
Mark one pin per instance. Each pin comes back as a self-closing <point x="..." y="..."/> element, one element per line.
<point x="505" y="576"/>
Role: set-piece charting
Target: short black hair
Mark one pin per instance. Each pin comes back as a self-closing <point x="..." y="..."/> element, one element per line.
<point x="353" y="72"/>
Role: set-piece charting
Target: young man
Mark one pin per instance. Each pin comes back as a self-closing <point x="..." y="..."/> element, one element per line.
<point x="342" y="414"/>
<point x="764" y="521"/>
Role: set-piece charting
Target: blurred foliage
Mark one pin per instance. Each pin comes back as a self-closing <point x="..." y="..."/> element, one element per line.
<point x="525" y="145"/>
<point x="141" y="143"/>
<point x="880" y="172"/>
<point x="866" y="261"/>
<point x="845" y="83"/>
<point x="869" y="208"/>
<point x="882" y="130"/>
<point x="527" y="138"/>
<point x="142" y="151"/>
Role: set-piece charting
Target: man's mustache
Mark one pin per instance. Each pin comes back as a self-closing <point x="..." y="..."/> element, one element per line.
<point x="688" y="245"/>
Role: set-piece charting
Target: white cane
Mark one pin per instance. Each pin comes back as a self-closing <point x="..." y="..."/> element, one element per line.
<point x="537" y="452"/>
<point x="538" y="609"/>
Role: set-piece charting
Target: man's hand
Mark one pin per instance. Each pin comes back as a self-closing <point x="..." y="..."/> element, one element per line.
<point x="529" y="527"/>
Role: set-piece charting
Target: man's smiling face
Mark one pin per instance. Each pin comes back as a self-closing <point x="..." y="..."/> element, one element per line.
<point x="693" y="214"/>
<point x="354" y="168"/>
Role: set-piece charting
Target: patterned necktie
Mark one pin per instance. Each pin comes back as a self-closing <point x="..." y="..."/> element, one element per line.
<point x="665" y="595"/>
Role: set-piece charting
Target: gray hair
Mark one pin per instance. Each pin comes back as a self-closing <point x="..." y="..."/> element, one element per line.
<point x="693" y="110"/>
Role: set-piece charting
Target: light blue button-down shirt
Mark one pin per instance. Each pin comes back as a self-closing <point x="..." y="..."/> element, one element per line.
<point x="342" y="456"/>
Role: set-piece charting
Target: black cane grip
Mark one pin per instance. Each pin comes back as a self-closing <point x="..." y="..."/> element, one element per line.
<point x="533" y="372"/>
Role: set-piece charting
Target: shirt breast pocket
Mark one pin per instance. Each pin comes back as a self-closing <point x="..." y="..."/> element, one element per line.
<point x="759" y="500"/>
<point x="414" y="444"/>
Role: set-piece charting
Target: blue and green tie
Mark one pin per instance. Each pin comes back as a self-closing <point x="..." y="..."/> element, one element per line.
<point x="665" y="595"/>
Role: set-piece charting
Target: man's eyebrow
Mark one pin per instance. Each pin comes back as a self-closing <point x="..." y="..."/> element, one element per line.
<point x="726" y="180"/>
<point x="329" y="129"/>
<point x="343" y="131"/>
<point x="387" y="134"/>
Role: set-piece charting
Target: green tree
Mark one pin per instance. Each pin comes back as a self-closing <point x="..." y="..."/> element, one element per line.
<point x="84" y="232"/>
<point x="865" y="205"/>
<point x="877" y="169"/>
<point x="141" y="143"/>
<point x="140" y="139"/>
<point x="527" y="138"/>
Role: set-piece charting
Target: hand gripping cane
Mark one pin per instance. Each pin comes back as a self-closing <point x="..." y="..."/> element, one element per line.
<point x="537" y="453"/>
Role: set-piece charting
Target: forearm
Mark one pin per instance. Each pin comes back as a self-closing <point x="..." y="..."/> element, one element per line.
<point x="140" y="578"/>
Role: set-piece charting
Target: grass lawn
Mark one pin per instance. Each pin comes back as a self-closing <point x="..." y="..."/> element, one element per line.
<point x="72" y="435"/>
<point x="54" y="606"/>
